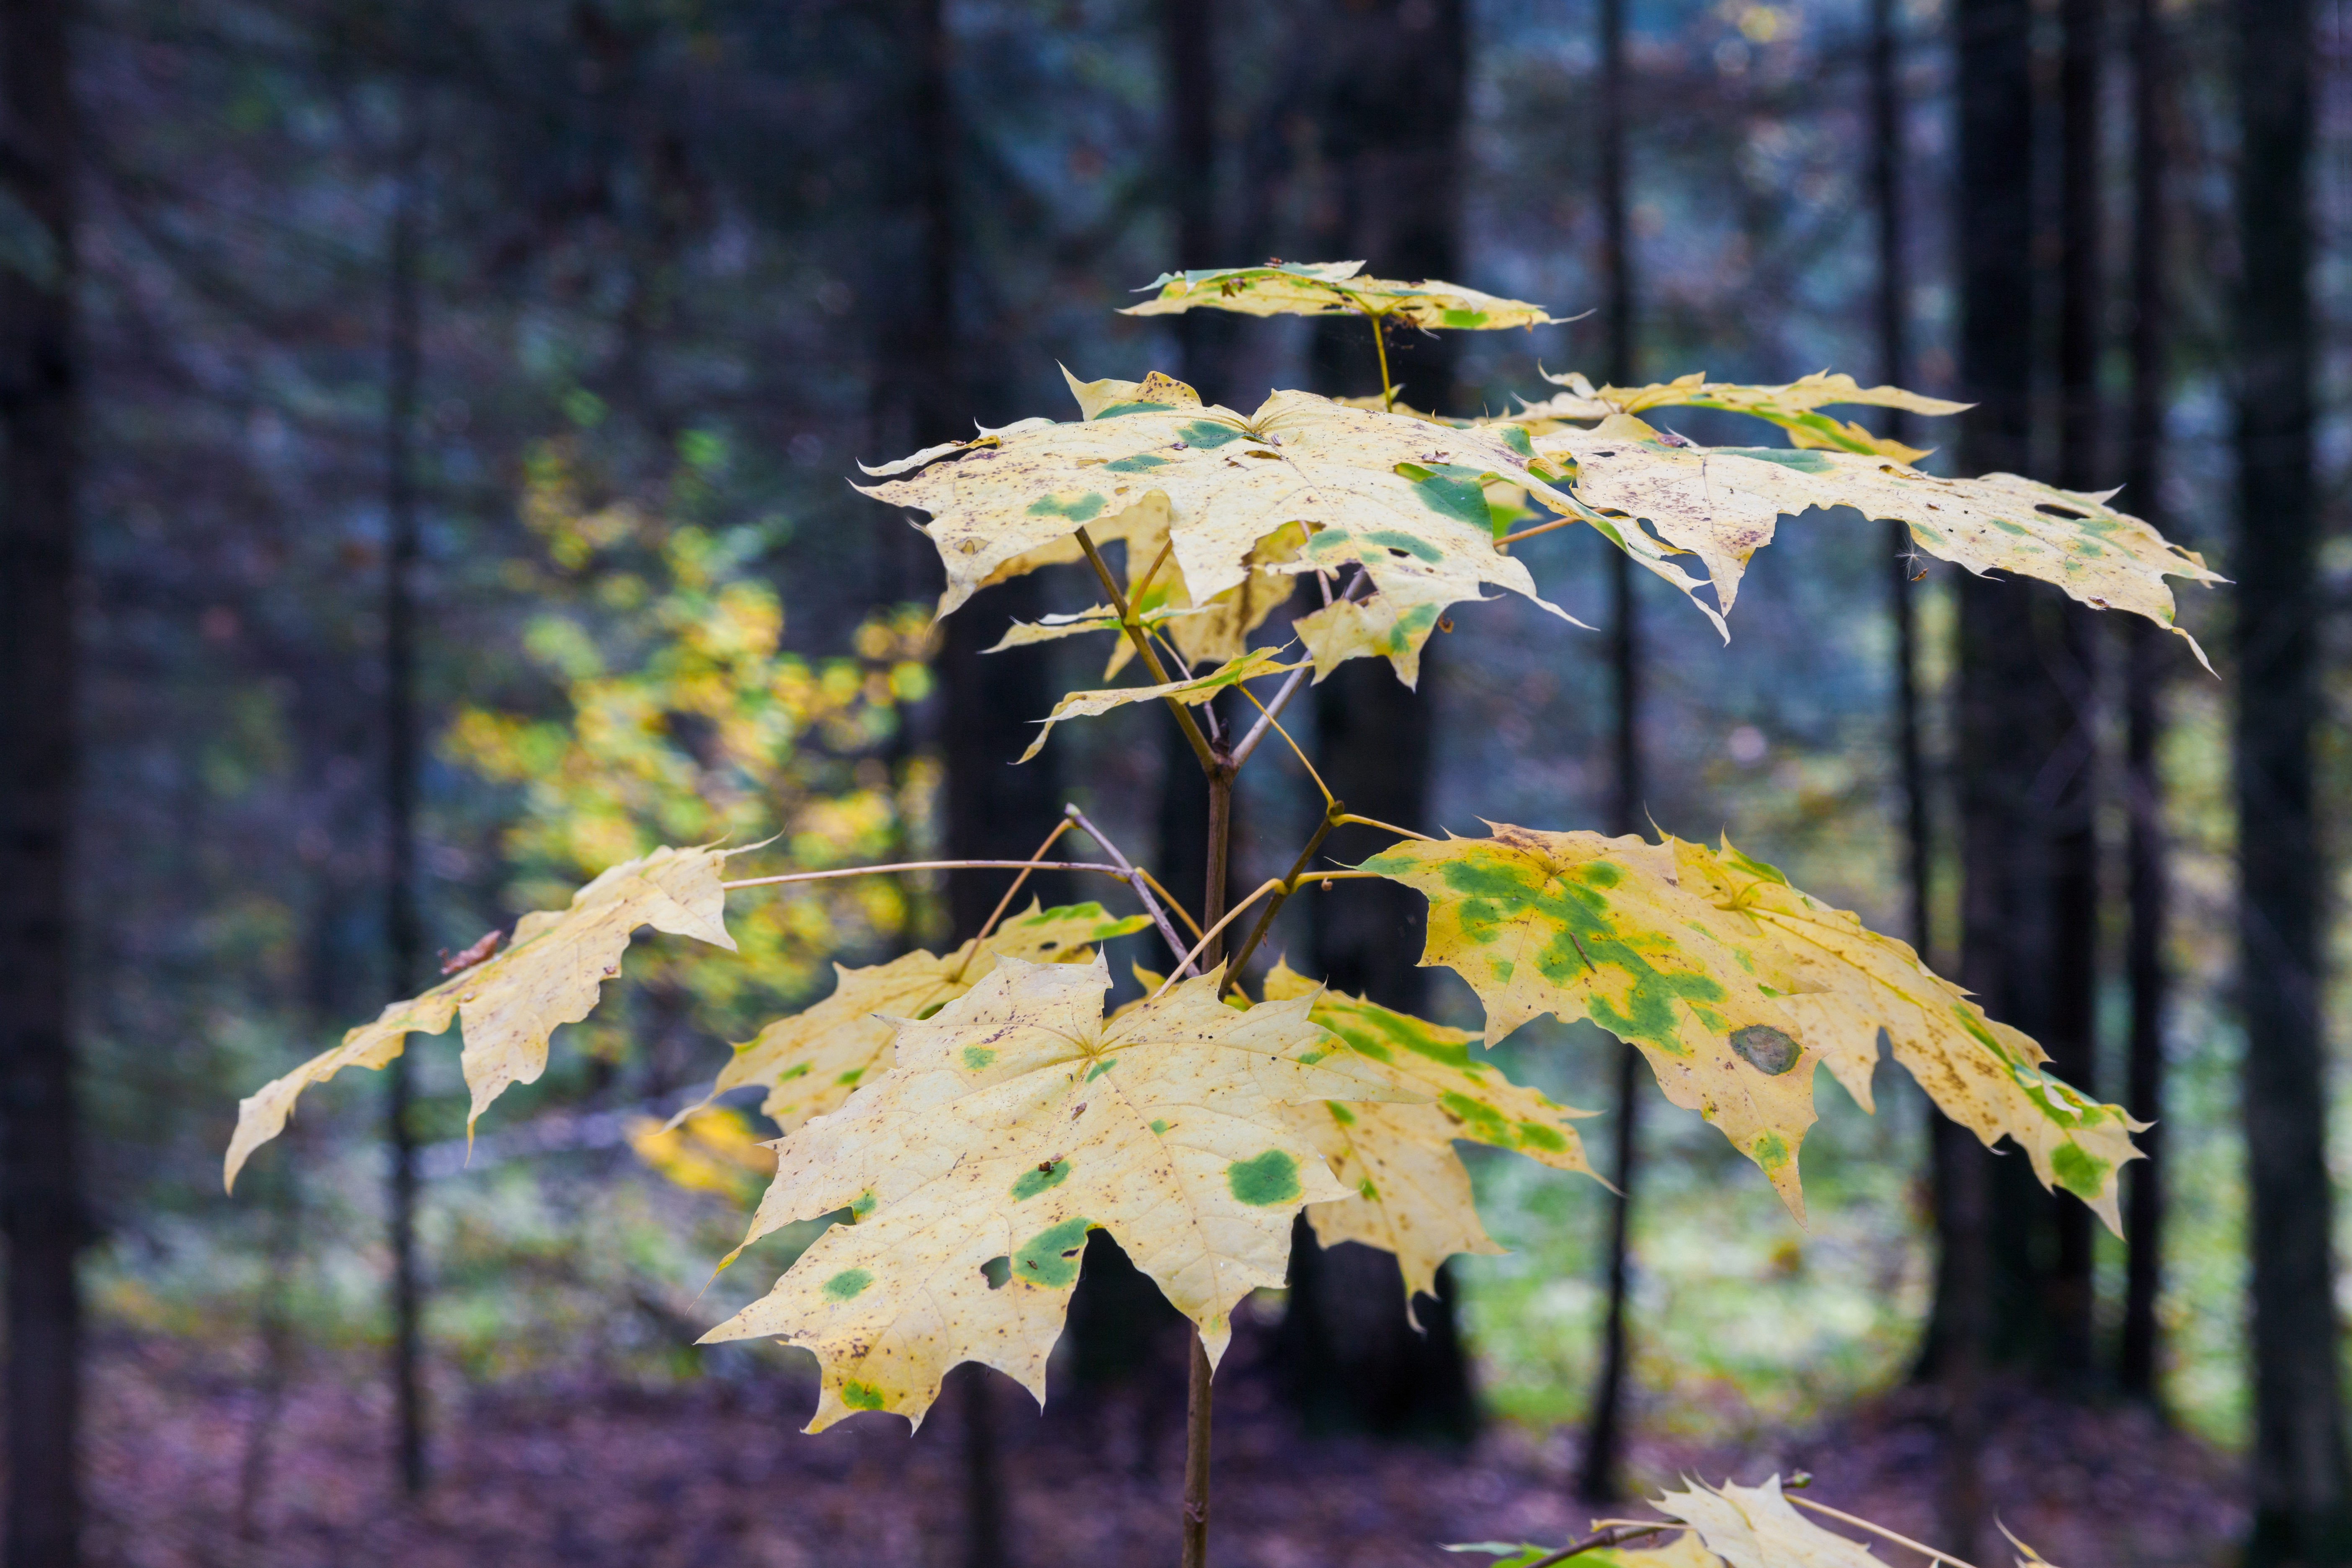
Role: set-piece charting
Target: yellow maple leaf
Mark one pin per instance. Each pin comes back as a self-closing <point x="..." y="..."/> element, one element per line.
<point x="1015" y="1119"/>
<point x="1332" y="287"/>
<point x="1200" y="689"/>
<point x="1583" y="926"/>
<point x="1795" y="407"/>
<point x="1757" y="1527"/>
<point x="1721" y="503"/>
<point x="810" y="1061"/>
<point x="1401" y="497"/>
<point x="1986" y="1076"/>
<point x="1410" y="1195"/>
<point x="549" y="974"/>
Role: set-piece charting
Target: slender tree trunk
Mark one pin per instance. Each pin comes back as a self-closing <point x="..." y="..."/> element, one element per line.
<point x="1994" y="224"/>
<point x="1390" y="109"/>
<point x="1886" y="162"/>
<point x="2081" y="301"/>
<point x="2145" y="658"/>
<point x="40" y="1197"/>
<point x="404" y="929"/>
<point x="1601" y="1478"/>
<point x="2303" y="1505"/>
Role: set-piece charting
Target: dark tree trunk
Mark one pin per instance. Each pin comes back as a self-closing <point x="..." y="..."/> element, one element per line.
<point x="1887" y="164"/>
<point x="2301" y="1512"/>
<point x="1994" y="222"/>
<point x="40" y="1198"/>
<point x="1389" y="105"/>
<point x="1600" y="1478"/>
<point x="404" y="929"/>
<point x="2145" y="656"/>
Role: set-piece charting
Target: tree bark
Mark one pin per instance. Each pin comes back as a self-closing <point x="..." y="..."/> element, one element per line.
<point x="1388" y="101"/>
<point x="1600" y="1478"/>
<point x="2146" y="657"/>
<point x="41" y="1211"/>
<point x="2303" y="1505"/>
<point x="404" y="929"/>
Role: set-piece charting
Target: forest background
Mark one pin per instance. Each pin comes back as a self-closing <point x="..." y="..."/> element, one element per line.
<point x="570" y="321"/>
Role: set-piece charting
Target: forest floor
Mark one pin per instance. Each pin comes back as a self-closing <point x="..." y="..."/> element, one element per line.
<point x="192" y="1466"/>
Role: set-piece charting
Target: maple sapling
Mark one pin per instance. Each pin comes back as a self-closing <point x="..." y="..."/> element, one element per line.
<point x="970" y="1117"/>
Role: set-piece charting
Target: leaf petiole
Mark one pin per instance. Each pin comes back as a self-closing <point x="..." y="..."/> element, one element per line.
<point x="1200" y="743"/>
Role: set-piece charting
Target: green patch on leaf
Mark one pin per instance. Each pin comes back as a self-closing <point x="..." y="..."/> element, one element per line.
<point x="1270" y="1178"/>
<point x="1099" y="1068"/>
<point x="1207" y="432"/>
<point x="1340" y="1114"/>
<point x="1052" y="1173"/>
<point x="847" y="1285"/>
<point x="1051" y="1256"/>
<point x="977" y="1057"/>
<point x="1113" y="410"/>
<point x="1075" y="508"/>
<point x="861" y="1395"/>
<point x="1158" y="1126"/>
<point x="2080" y="1174"/>
<point x="1804" y="462"/>
<point x="1141" y="463"/>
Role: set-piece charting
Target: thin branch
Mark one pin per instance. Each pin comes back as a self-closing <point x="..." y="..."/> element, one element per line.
<point x="1005" y="902"/>
<point x="1175" y="905"/>
<point x="1385" y="827"/>
<point x="1273" y="908"/>
<point x="1200" y="743"/>
<point x="1539" y="528"/>
<point x="1072" y="815"/>
<point x="1880" y="1530"/>
<point x="1266" y="710"/>
<point x="1615" y="1535"/>
<point x="1157" y="562"/>
<point x="1279" y="885"/>
<point x="929" y="866"/>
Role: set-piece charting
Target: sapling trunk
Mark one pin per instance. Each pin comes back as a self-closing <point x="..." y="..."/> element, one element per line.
<point x="1197" y="1403"/>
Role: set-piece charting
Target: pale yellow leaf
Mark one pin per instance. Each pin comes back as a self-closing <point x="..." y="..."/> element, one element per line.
<point x="1390" y="626"/>
<point x="1582" y="926"/>
<point x="1099" y="618"/>
<point x="1097" y="398"/>
<point x="1088" y="704"/>
<point x="1327" y="288"/>
<point x="1986" y="1076"/>
<point x="1719" y="503"/>
<point x="548" y="974"/>
<point x="811" y="1060"/>
<point x="1756" y="1527"/>
<point x="1015" y="1119"/>
<point x="1795" y="407"/>
<point x="1400" y="496"/>
<point x="1410" y="1195"/>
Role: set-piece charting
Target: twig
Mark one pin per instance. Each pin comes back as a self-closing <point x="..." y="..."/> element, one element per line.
<point x="1175" y="905"/>
<point x="1268" y="711"/>
<point x="1615" y="1535"/>
<point x="1385" y="827"/>
<point x="1264" y="889"/>
<point x="1880" y="1530"/>
<point x="1200" y="743"/>
<point x="1273" y="908"/>
<point x="930" y="865"/>
<point x="1005" y="902"/>
<point x="1072" y="815"/>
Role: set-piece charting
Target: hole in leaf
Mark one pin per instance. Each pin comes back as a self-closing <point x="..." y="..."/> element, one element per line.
<point x="996" y="1271"/>
<point x="2066" y="512"/>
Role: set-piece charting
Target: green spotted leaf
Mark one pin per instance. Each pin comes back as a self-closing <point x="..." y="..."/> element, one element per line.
<point x="982" y="1184"/>
<point x="1333" y="287"/>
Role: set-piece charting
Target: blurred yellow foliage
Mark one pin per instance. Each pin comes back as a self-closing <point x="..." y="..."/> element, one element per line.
<point x="713" y="1150"/>
<point x="687" y="720"/>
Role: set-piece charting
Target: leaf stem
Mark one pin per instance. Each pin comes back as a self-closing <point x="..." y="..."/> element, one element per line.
<point x="1266" y="710"/>
<point x="1331" y="816"/>
<point x="1381" y="342"/>
<point x="1175" y="905"/>
<point x="1880" y="1530"/>
<point x="929" y="866"/>
<point x="1539" y="528"/>
<point x="1200" y="743"/>
<point x="1072" y="816"/>
<point x="1283" y="885"/>
<point x="1385" y="827"/>
<point x="1005" y="902"/>
<point x="1615" y="1535"/>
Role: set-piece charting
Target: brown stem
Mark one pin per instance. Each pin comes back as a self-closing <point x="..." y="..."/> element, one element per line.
<point x="1196" y="1459"/>
<point x="1332" y="815"/>
<point x="1200" y="743"/>
<point x="1615" y="1535"/>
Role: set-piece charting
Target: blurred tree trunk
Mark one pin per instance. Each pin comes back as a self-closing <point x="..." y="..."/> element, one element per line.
<point x="40" y="1199"/>
<point x="2147" y="655"/>
<point x="404" y="929"/>
<point x="994" y="810"/>
<point x="1600" y="1478"/>
<point x="1388" y="106"/>
<point x="1894" y="323"/>
<point x="2000" y="867"/>
<point x="2303" y="1502"/>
